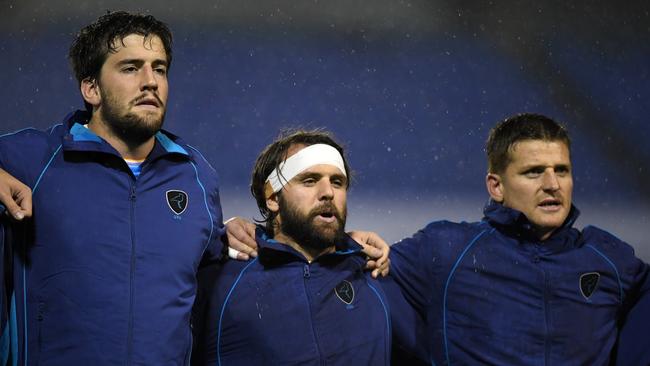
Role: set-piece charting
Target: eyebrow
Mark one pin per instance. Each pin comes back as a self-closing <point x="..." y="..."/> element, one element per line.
<point x="140" y="62"/>
<point x="319" y="176"/>
<point x="542" y="166"/>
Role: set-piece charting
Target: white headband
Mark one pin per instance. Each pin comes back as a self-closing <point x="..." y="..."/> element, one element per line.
<point x="303" y="160"/>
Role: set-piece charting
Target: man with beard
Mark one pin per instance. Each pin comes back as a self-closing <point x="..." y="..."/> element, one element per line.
<point x="305" y="299"/>
<point x="124" y="212"/>
<point x="522" y="286"/>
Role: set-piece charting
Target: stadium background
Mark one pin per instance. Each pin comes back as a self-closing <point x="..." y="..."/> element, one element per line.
<point x="410" y="87"/>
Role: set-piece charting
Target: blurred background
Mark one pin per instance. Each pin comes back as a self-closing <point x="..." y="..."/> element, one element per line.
<point x="410" y="87"/>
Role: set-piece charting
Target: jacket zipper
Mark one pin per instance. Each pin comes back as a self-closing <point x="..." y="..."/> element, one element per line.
<point x="129" y="345"/>
<point x="306" y="274"/>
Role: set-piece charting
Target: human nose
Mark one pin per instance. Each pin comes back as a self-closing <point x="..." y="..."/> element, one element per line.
<point x="149" y="81"/>
<point x="550" y="181"/>
<point x="325" y="190"/>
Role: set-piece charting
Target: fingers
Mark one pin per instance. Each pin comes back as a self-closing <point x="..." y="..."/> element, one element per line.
<point x="24" y="200"/>
<point x="241" y="238"/>
<point x="15" y="196"/>
<point x="373" y="245"/>
<point x="372" y="252"/>
<point x="377" y="251"/>
<point x="10" y="208"/>
<point x="378" y="269"/>
<point x="386" y="270"/>
<point x="240" y="250"/>
<point x="13" y="207"/>
<point x="236" y="254"/>
<point x="383" y="269"/>
<point x="372" y="265"/>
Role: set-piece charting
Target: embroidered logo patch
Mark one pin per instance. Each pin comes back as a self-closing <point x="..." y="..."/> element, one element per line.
<point x="345" y="292"/>
<point x="177" y="201"/>
<point x="588" y="283"/>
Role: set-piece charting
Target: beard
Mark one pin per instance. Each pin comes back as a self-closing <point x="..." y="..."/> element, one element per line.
<point x="305" y="232"/>
<point x="128" y="126"/>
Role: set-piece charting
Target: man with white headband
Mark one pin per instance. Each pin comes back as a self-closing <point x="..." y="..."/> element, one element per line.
<point x="305" y="298"/>
<point x="523" y="286"/>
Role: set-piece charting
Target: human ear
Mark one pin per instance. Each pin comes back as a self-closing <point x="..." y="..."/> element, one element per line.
<point x="494" y="186"/>
<point x="90" y="91"/>
<point x="272" y="203"/>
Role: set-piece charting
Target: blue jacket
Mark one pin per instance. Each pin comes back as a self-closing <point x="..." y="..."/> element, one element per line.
<point x="278" y="309"/>
<point x="105" y="273"/>
<point x="491" y="293"/>
<point x="633" y="342"/>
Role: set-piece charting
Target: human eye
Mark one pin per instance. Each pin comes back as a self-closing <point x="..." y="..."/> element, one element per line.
<point x="562" y="170"/>
<point x="534" y="172"/>
<point x="129" y="69"/>
<point x="338" y="182"/>
<point x="308" y="181"/>
<point x="161" y="70"/>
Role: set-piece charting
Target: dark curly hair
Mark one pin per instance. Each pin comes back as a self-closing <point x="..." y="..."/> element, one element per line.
<point x="90" y="49"/>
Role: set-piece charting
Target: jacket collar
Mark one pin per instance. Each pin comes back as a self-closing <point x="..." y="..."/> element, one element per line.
<point x="80" y="138"/>
<point x="272" y="251"/>
<point x="515" y="224"/>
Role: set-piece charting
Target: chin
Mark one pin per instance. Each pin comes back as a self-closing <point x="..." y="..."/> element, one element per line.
<point x="549" y="225"/>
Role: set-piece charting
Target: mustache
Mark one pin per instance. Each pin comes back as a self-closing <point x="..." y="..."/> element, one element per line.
<point x="145" y="96"/>
<point x="325" y="208"/>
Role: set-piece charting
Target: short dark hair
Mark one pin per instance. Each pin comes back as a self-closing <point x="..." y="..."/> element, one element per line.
<point x="276" y="153"/>
<point x="525" y="126"/>
<point x="90" y="49"/>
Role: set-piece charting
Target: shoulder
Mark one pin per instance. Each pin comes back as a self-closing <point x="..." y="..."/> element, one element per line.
<point x="605" y="242"/>
<point x="617" y="253"/>
<point x="199" y="159"/>
<point x="204" y="170"/>
<point x="28" y="149"/>
<point x="31" y="138"/>
<point x="444" y="240"/>
<point x="216" y="280"/>
<point x="173" y="143"/>
<point x="452" y="233"/>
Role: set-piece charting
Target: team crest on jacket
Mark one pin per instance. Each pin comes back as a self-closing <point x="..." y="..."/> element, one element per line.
<point x="177" y="201"/>
<point x="345" y="292"/>
<point x="588" y="283"/>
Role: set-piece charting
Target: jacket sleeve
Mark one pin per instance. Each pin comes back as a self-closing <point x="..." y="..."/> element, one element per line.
<point x="633" y="342"/>
<point x="407" y="327"/>
<point x="633" y="346"/>
<point x="208" y="175"/>
<point x="205" y="316"/>
<point x="5" y="290"/>
<point x="409" y="267"/>
<point x="5" y="276"/>
<point x="215" y="249"/>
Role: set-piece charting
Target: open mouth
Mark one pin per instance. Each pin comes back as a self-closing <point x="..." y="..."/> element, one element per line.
<point x="326" y="215"/>
<point x="550" y="204"/>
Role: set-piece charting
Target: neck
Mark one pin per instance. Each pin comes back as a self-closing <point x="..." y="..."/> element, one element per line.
<point x="308" y="252"/>
<point x="134" y="151"/>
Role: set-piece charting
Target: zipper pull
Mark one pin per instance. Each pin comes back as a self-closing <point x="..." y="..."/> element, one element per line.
<point x="305" y="271"/>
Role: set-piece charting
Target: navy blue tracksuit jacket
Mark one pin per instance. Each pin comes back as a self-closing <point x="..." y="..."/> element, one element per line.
<point x="105" y="273"/>
<point x="279" y="309"/>
<point x="634" y="343"/>
<point x="491" y="294"/>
